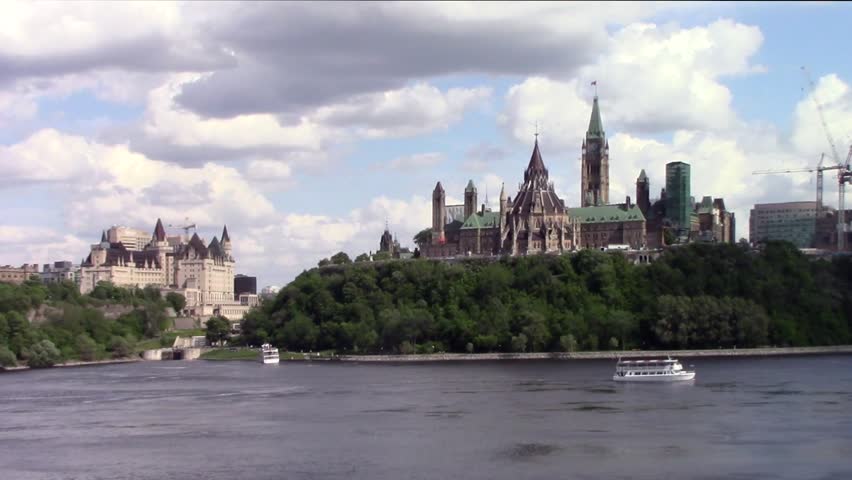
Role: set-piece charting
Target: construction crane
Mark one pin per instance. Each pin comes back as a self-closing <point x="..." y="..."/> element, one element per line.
<point x="186" y="226"/>
<point x="844" y="175"/>
<point x="818" y="169"/>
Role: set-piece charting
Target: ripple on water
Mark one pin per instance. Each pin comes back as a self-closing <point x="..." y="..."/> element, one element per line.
<point x="528" y="451"/>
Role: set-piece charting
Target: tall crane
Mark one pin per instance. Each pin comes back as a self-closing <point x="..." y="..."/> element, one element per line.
<point x="186" y="226"/>
<point x="844" y="175"/>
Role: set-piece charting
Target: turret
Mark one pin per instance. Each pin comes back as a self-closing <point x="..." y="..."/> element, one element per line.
<point x="643" y="192"/>
<point x="469" y="200"/>
<point x="226" y="242"/>
<point x="439" y="214"/>
<point x="594" y="167"/>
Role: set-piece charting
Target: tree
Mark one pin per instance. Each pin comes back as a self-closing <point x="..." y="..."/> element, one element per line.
<point x="86" y="347"/>
<point x="43" y="354"/>
<point x="378" y="256"/>
<point x="468" y="347"/>
<point x="568" y="343"/>
<point x="362" y="258"/>
<point x="7" y="358"/>
<point x="300" y="333"/>
<point x="519" y="343"/>
<point x="119" y="347"/>
<point x="340" y="258"/>
<point x="177" y="301"/>
<point x="324" y="262"/>
<point x="218" y="329"/>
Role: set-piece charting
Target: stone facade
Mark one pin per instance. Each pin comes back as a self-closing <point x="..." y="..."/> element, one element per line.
<point x="610" y="225"/>
<point x="17" y="275"/>
<point x="203" y="273"/>
<point x="594" y="162"/>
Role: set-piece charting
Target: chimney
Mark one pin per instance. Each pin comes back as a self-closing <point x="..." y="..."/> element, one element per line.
<point x="628" y="202"/>
<point x="483" y="209"/>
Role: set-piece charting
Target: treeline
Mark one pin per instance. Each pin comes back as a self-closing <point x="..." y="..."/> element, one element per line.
<point x="696" y="296"/>
<point x="75" y="327"/>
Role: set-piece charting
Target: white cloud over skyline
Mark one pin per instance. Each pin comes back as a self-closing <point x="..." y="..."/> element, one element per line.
<point x="257" y="118"/>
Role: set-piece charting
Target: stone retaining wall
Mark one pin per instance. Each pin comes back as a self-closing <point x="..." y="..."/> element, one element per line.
<point x="611" y="355"/>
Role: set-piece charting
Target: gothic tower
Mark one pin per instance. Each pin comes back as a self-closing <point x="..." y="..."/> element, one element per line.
<point x="469" y="200"/>
<point x="439" y="215"/>
<point x="226" y="242"/>
<point x="643" y="192"/>
<point x="594" y="169"/>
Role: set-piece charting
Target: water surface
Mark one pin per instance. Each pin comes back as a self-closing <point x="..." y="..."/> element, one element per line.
<point x="759" y="418"/>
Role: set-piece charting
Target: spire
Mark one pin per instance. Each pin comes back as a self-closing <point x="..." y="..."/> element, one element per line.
<point x="438" y="187"/>
<point x="502" y="191"/>
<point x="536" y="167"/>
<point x="642" y="176"/>
<point x="470" y="187"/>
<point x="225" y="237"/>
<point x="159" y="232"/>
<point x="103" y="236"/>
<point x="595" y="124"/>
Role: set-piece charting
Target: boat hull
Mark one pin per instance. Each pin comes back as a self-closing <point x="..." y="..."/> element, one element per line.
<point x="680" y="377"/>
<point x="269" y="361"/>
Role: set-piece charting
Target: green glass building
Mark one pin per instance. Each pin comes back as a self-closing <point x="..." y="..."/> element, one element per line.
<point x="678" y="203"/>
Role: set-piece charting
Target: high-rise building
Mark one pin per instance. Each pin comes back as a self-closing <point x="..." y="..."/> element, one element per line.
<point x="794" y="222"/>
<point x="594" y="167"/>
<point x="133" y="240"/>
<point x="244" y="284"/>
<point x="678" y="199"/>
<point x="643" y="193"/>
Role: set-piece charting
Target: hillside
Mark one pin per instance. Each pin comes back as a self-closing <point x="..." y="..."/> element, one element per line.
<point x="42" y="325"/>
<point x="699" y="296"/>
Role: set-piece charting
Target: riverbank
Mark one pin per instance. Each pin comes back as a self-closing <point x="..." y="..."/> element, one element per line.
<point x="600" y="355"/>
<point x="75" y="364"/>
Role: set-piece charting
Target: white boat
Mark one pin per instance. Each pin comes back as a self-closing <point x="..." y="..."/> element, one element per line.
<point x="652" y="370"/>
<point x="268" y="354"/>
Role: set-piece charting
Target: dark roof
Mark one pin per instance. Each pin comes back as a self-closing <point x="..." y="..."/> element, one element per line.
<point x="642" y="176"/>
<point x="159" y="232"/>
<point x="453" y="226"/>
<point x="117" y="253"/>
<point x="225" y="237"/>
<point x="103" y="236"/>
<point x="595" y="125"/>
<point x="470" y="187"/>
<point x="196" y="244"/>
<point x="536" y="166"/>
<point x="438" y="187"/>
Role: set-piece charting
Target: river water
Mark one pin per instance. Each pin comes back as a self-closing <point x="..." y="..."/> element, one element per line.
<point x="745" y="418"/>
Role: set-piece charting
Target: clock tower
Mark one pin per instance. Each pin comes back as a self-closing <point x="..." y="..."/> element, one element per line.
<point x="594" y="171"/>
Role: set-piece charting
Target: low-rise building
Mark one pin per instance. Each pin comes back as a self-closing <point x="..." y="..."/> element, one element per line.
<point x="60" y="272"/>
<point x="794" y="222"/>
<point x="600" y="227"/>
<point x="17" y="275"/>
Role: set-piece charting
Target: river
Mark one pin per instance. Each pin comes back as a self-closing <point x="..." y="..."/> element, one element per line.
<point x="742" y="418"/>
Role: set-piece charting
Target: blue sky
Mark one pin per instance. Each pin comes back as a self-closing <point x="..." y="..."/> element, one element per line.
<point x="182" y="110"/>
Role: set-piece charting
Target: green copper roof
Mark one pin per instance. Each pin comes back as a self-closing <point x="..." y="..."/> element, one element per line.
<point x="482" y="220"/>
<point x="595" y="125"/>
<point x="606" y="213"/>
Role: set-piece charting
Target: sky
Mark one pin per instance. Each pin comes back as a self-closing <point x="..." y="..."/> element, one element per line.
<point x="307" y="127"/>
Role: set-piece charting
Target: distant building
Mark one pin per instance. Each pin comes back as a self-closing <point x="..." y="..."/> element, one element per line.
<point x="269" y="292"/>
<point x="609" y="226"/>
<point x="133" y="240"/>
<point x="794" y="222"/>
<point x="60" y="272"/>
<point x="388" y="243"/>
<point x="17" y="275"/>
<point x="715" y="223"/>
<point x="825" y="236"/>
<point x="244" y="284"/>
<point x="678" y="204"/>
<point x="594" y="162"/>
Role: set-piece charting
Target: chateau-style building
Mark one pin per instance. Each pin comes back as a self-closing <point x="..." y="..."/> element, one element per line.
<point x="203" y="273"/>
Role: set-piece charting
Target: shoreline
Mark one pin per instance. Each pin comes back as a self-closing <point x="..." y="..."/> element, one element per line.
<point x="72" y="364"/>
<point x="597" y="355"/>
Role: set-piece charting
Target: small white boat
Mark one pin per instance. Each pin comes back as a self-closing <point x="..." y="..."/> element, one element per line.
<point x="652" y="370"/>
<point x="268" y="354"/>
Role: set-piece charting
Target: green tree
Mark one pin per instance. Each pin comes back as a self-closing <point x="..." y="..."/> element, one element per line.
<point x="300" y="333"/>
<point x="176" y="301"/>
<point x="218" y="330"/>
<point x="120" y="347"/>
<point x="7" y="358"/>
<point x="362" y="258"/>
<point x="379" y="256"/>
<point x="519" y="343"/>
<point x="340" y="258"/>
<point x="43" y="354"/>
<point x="568" y="343"/>
<point x="324" y="262"/>
<point x="87" y="349"/>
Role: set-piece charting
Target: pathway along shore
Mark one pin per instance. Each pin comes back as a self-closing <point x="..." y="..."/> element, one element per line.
<point x="608" y="355"/>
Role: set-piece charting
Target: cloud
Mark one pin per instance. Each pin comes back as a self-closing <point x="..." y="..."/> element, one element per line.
<point x="35" y="245"/>
<point x="413" y="162"/>
<point x="483" y="156"/>
<point x="835" y="97"/>
<point x="676" y="70"/>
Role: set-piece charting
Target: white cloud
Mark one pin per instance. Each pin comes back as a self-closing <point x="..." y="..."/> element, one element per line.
<point x="809" y="136"/>
<point x="37" y="245"/>
<point x="414" y="162"/>
<point x="268" y="171"/>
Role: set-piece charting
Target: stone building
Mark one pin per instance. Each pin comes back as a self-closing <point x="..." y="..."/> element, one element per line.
<point x="202" y="273"/>
<point x="715" y="222"/>
<point x="535" y="222"/>
<point x="389" y="244"/>
<point x="594" y="163"/>
<point x="605" y="226"/>
<point x="17" y="275"/>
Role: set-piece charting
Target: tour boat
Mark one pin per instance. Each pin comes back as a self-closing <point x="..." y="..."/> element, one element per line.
<point x="268" y="354"/>
<point x="666" y="370"/>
